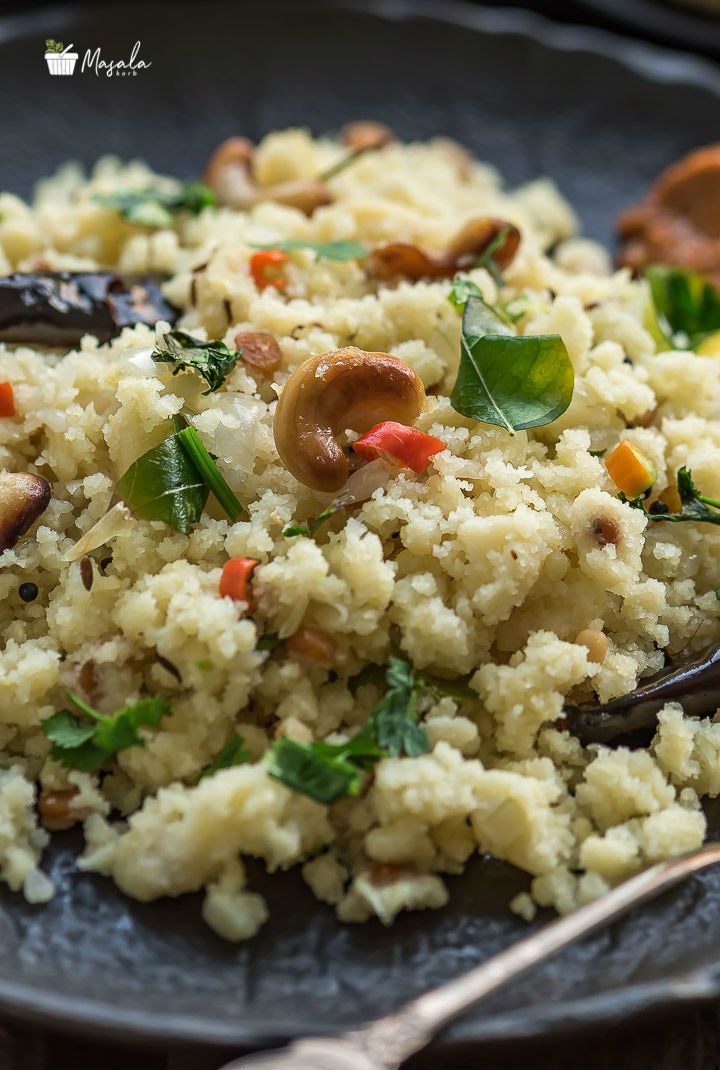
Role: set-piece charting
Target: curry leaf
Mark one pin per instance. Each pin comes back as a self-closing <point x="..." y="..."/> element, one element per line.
<point x="507" y="380"/>
<point x="191" y="442"/>
<point x="328" y="250"/>
<point x="164" y="484"/>
<point x="212" y="360"/>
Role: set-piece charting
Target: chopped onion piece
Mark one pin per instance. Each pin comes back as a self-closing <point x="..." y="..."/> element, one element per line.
<point x="363" y="482"/>
<point x="117" y="521"/>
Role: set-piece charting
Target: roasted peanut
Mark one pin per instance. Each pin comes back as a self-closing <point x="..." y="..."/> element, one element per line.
<point x="23" y="498"/>
<point x="345" y="388"/>
<point x="55" y="811"/>
<point x="366" y="134"/>
<point x="311" y="644"/>
<point x="596" y="642"/>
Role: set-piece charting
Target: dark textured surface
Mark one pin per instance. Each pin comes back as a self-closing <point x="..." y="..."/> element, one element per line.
<point x="601" y="118"/>
<point x="680" y="24"/>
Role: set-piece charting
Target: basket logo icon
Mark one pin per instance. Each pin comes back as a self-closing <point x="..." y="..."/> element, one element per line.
<point x="60" y="60"/>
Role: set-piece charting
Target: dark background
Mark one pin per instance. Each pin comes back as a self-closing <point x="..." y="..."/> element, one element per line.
<point x="685" y="1040"/>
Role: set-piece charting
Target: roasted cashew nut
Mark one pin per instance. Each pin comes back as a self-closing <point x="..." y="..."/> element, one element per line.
<point x="229" y="174"/>
<point x="366" y="134"/>
<point x="23" y="498"/>
<point x="393" y="260"/>
<point x="340" y="390"/>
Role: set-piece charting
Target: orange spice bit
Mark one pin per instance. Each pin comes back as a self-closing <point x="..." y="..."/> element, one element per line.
<point x="311" y="644"/>
<point x="55" y="811"/>
<point x="596" y="643"/>
<point x="7" y="400"/>
<point x="235" y="579"/>
<point x="266" y="268"/>
<point x="630" y="470"/>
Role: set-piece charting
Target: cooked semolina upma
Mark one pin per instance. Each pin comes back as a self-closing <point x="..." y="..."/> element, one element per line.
<point x="331" y="487"/>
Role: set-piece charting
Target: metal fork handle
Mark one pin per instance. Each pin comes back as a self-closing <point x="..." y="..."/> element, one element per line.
<point x="386" y="1043"/>
<point x="418" y="1021"/>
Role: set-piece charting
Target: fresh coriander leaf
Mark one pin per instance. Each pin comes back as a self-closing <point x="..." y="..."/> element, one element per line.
<point x="329" y="250"/>
<point x="66" y="730"/>
<point x="693" y="505"/>
<point x="79" y="745"/>
<point x="461" y="290"/>
<point x="121" y="731"/>
<point x="393" y="722"/>
<point x="212" y="360"/>
<point x="327" y="772"/>
<point x="234" y="752"/>
<point x="164" y="484"/>
<point x="153" y="207"/>
<point x="320" y="770"/>
<point x="507" y="380"/>
<point x="596" y="453"/>
<point x="213" y="478"/>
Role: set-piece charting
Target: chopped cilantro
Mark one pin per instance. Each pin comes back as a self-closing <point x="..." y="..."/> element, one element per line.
<point x="153" y="207"/>
<point x="323" y="771"/>
<point x="212" y="360"/>
<point x="393" y="722"/>
<point x="234" y="752"/>
<point x="79" y="744"/>
<point x="327" y="250"/>
<point x="693" y="505"/>
<point x="327" y="772"/>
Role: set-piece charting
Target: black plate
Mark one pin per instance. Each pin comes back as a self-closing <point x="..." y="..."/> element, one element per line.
<point x="678" y="23"/>
<point x="600" y="115"/>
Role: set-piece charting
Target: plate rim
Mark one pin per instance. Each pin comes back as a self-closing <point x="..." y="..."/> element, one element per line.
<point x="98" y="1019"/>
<point x="691" y="25"/>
